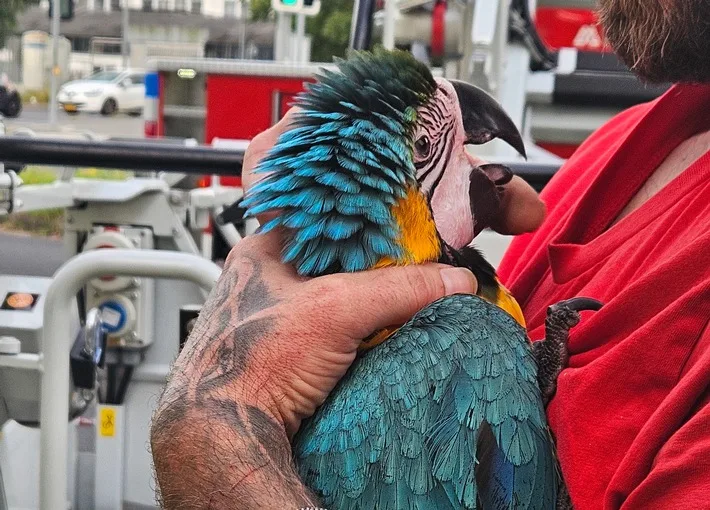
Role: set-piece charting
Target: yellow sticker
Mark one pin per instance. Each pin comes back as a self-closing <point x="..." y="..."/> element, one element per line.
<point x="107" y="422"/>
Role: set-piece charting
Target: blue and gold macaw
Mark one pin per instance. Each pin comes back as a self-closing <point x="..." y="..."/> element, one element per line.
<point x="446" y="411"/>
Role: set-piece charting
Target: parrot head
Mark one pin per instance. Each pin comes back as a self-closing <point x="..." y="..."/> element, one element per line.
<point x="374" y="171"/>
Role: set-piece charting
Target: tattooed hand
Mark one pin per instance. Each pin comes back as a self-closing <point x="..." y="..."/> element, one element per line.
<point x="265" y="352"/>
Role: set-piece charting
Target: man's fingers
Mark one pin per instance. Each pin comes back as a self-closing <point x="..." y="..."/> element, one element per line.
<point x="391" y="296"/>
<point x="260" y="146"/>
<point x="523" y="211"/>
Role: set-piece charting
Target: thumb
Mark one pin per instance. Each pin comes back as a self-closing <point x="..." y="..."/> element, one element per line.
<point x="391" y="296"/>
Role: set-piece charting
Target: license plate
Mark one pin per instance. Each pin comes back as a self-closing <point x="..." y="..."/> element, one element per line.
<point x="70" y="108"/>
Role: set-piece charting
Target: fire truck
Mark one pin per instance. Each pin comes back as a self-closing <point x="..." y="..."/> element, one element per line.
<point x="550" y="68"/>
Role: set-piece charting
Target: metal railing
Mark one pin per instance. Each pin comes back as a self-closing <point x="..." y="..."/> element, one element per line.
<point x="129" y="155"/>
<point x="168" y="155"/>
<point x="57" y="342"/>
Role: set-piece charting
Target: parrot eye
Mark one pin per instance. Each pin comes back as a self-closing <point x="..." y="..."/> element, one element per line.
<point x="422" y="146"/>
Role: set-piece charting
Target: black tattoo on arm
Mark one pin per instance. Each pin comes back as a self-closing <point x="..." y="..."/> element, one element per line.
<point x="210" y="449"/>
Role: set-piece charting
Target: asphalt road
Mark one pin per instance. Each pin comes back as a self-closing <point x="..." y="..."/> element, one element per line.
<point x="36" y="117"/>
<point x="31" y="256"/>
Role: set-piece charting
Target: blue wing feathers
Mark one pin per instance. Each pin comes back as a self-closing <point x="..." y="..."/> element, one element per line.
<point x="433" y="429"/>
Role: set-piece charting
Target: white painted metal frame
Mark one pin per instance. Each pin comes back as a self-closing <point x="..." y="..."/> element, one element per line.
<point x="56" y="343"/>
<point x="247" y="68"/>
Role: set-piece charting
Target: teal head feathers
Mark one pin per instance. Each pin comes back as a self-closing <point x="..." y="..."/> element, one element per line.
<point x="373" y="170"/>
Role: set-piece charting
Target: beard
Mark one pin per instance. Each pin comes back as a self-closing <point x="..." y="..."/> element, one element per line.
<point x="660" y="40"/>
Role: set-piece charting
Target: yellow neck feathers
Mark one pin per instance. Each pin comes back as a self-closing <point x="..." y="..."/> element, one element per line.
<point x="419" y="239"/>
<point x="420" y="243"/>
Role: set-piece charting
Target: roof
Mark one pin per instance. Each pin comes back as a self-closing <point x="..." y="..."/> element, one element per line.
<point x="108" y="24"/>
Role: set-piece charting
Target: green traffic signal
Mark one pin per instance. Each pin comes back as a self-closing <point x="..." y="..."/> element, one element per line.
<point x="307" y="7"/>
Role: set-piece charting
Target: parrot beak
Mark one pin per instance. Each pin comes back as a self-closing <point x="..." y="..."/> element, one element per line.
<point x="484" y="118"/>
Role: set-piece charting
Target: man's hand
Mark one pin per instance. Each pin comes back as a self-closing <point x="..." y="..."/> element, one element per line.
<point x="265" y="352"/>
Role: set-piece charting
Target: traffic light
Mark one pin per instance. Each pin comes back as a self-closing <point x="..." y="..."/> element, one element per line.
<point x="66" y="9"/>
<point x="307" y="7"/>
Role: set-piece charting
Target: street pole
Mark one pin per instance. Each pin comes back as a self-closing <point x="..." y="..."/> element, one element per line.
<point x="243" y="7"/>
<point x="389" y="25"/>
<point x="54" y="78"/>
<point x="301" y="38"/>
<point x="124" y="33"/>
<point x="282" y="36"/>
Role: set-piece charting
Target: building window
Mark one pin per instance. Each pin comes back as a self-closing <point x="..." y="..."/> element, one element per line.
<point x="115" y="5"/>
<point x="147" y="5"/>
<point x="162" y="5"/>
<point x="106" y="47"/>
<point x="80" y="44"/>
<point x="98" y="5"/>
<point x="180" y="5"/>
<point x="230" y="9"/>
<point x="196" y="6"/>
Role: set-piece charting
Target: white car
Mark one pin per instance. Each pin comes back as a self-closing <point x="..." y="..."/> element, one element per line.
<point x="106" y="92"/>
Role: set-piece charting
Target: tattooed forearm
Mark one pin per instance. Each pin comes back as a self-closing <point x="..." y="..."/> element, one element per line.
<point x="212" y="448"/>
<point x="224" y="456"/>
<point x="229" y="359"/>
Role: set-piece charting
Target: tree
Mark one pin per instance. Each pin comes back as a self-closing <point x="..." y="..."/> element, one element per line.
<point x="8" y="16"/>
<point x="260" y="10"/>
<point x="330" y="30"/>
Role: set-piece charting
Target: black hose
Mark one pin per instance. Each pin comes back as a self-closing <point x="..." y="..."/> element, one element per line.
<point x="361" y="33"/>
<point x="523" y="29"/>
<point x="123" y="386"/>
<point x="110" y="384"/>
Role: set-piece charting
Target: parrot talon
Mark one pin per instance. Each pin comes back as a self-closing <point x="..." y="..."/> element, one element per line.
<point x="551" y="353"/>
<point x="579" y="304"/>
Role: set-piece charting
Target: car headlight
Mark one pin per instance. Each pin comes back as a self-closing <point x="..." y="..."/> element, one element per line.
<point x="93" y="93"/>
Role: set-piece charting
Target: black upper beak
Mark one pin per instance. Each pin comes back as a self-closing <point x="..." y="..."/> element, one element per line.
<point x="484" y="119"/>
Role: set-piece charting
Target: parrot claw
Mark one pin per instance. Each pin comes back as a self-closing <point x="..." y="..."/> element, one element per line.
<point x="578" y="304"/>
<point x="551" y="353"/>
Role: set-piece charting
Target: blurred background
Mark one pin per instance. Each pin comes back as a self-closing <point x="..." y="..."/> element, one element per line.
<point x="123" y="124"/>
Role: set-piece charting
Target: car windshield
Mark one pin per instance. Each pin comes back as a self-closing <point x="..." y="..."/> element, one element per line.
<point x="104" y="76"/>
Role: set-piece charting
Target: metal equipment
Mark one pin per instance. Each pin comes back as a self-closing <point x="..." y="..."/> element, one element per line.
<point x="96" y="340"/>
<point x="545" y="60"/>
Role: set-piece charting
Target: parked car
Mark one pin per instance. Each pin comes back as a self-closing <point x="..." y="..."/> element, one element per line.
<point x="10" y="100"/>
<point x="106" y="92"/>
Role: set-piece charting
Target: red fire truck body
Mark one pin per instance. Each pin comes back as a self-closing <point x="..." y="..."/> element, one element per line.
<point x="209" y="99"/>
<point x="212" y="99"/>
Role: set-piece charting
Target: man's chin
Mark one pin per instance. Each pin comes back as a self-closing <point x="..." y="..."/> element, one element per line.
<point x="662" y="42"/>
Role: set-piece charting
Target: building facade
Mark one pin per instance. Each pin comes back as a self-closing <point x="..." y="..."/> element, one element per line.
<point x="211" y="8"/>
<point x="95" y="34"/>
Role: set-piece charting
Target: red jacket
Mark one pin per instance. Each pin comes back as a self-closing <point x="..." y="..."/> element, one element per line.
<point x="631" y="413"/>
